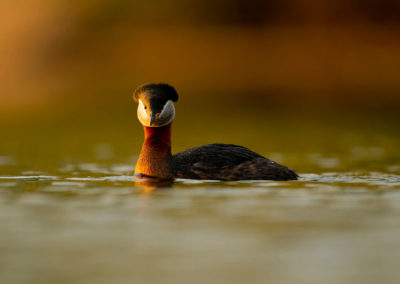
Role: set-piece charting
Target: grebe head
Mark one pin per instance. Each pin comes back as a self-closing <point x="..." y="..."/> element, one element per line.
<point x="156" y="107"/>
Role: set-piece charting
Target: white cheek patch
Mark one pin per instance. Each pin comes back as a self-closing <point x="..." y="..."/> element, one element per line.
<point x="168" y="112"/>
<point x="142" y="110"/>
<point x="142" y="114"/>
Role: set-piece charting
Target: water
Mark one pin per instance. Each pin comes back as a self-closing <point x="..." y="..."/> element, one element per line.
<point x="71" y="212"/>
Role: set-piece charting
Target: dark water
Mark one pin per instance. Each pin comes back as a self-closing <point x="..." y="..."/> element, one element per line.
<point x="70" y="211"/>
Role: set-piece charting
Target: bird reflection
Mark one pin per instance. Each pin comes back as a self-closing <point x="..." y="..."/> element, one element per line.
<point x="149" y="185"/>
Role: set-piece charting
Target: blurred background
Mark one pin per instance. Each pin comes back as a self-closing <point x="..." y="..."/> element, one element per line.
<point x="263" y="73"/>
<point x="311" y="84"/>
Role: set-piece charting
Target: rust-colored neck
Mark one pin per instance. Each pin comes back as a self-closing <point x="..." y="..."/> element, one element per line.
<point x="158" y="137"/>
<point x="155" y="157"/>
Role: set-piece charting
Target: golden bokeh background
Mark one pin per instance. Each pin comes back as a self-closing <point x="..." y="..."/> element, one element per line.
<point x="287" y="79"/>
<point x="311" y="84"/>
<point x="68" y="54"/>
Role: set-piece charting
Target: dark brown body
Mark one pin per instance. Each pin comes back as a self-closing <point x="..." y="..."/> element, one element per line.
<point x="227" y="162"/>
<point x="212" y="161"/>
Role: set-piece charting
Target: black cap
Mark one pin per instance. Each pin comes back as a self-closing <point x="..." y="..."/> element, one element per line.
<point x="160" y="91"/>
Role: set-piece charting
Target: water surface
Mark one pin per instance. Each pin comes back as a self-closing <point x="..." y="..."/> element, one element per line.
<point x="70" y="211"/>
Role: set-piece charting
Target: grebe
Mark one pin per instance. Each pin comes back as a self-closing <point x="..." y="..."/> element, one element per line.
<point x="156" y="113"/>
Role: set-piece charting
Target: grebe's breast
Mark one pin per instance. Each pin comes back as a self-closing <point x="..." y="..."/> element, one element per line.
<point x="227" y="162"/>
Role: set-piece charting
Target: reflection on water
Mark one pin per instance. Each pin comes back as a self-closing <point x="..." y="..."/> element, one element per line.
<point x="330" y="227"/>
<point x="148" y="185"/>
